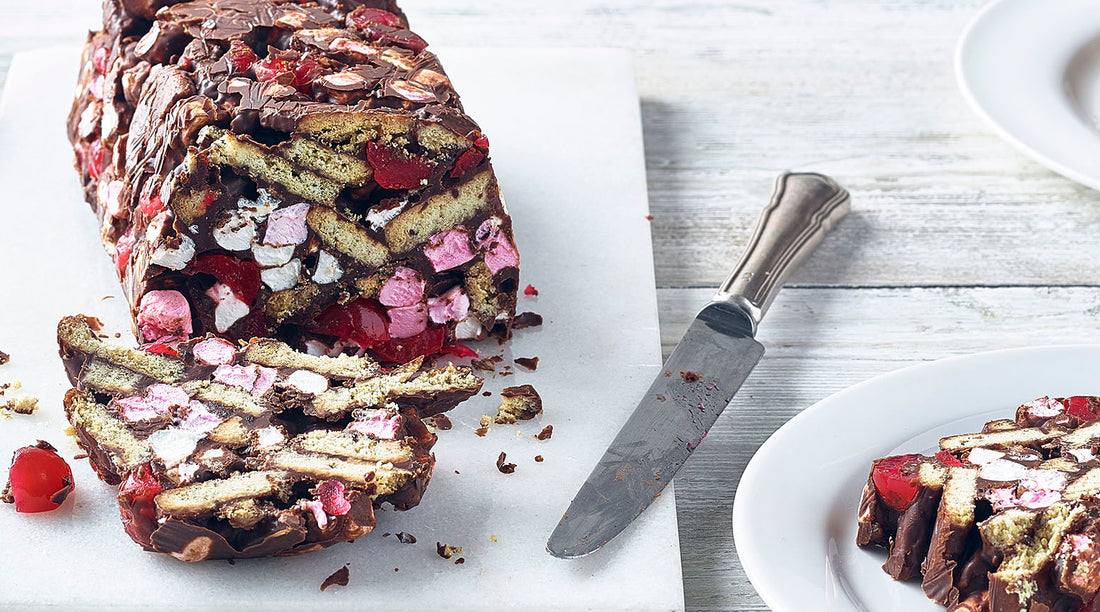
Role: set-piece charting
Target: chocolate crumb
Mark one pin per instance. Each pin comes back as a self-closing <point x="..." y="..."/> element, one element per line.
<point x="386" y="535"/>
<point x="520" y="403"/>
<point x="4" y="357"/>
<point x="649" y="217"/>
<point x="446" y="550"/>
<point x="118" y="334"/>
<point x="406" y="538"/>
<point x="460" y="560"/>
<point x="457" y="472"/>
<point x="506" y="373"/>
<point x="505" y="468"/>
<point x="690" y="376"/>
<point x="526" y="319"/>
<point x="231" y="561"/>
<point x="661" y="398"/>
<point x="395" y="569"/>
<point x="440" y="421"/>
<point x="538" y="458"/>
<point x="80" y="456"/>
<point x="531" y="363"/>
<point x="481" y="431"/>
<point x="545" y="433"/>
<point x="94" y="323"/>
<point x="6" y="496"/>
<point x="667" y="374"/>
<point x="339" y="577"/>
<point x="487" y="393"/>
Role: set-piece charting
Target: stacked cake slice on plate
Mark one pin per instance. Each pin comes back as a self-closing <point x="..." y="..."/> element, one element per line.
<point x="1005" y="519"/>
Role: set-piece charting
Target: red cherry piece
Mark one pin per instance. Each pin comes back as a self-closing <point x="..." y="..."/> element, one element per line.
<point x="895" y="479"/>
<point x="409" y="40"/>
<point x="40" y="479"/>
<point x="150" y="206"/>
<point x="123" y="249"/>
<point x="466" y="162"/>
<point x="362" y="15"/>
<point x="270" y="68"/>
<point x="530" y="290"/>
<point x="304" y="73"/>
<point x="95" y="159"/>
<point x="242" y="276"/>
<point x="1083" y="407"/>
<point x="362" y="321"/>
<point x="392" y="171"/>
<point x="402" y="350"/>
<point x="947" y="458"/>
<point x="138" y="491"/>
<point x="458" y="350"/>
<point x="99" y="59"/>
<point x="241" y="57"/>
<point x="482" y="141"/>
<point x="331" y="495"/>
<point x="160" y="348"/>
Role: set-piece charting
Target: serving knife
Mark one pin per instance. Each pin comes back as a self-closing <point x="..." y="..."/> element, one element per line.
<point x="705" y="370"/>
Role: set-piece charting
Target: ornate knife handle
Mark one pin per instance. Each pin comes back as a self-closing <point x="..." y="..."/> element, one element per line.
<point x="803" y="208"/>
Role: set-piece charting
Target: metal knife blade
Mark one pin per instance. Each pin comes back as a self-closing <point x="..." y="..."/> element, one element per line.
<point x="705" y="370"/>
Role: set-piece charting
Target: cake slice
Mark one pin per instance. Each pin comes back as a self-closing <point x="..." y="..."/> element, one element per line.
<point x="1003" y="519"/>
<point x="224" y="451"/>
<point x="292" y="169"/>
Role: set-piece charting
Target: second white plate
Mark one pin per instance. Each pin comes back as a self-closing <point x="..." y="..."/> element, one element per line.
<point x="1031" y="69"/>
<point x="794" y="518"/>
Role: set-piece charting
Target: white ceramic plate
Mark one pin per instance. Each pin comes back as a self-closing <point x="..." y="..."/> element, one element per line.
<point x="1031" y="69"/>
<point x="794" y="518"/>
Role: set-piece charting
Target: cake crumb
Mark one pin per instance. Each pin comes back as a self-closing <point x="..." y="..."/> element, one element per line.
<point x="406" y="538"/>
<point x="505" y="468"/>
<point x="440" y="422"/>
<point x="4" y="357"/>
<point x="20" y="404"/>
<point x="526" y="319"/>
<point x="531" y="363"/>
<point x="446" y="550"/>
<point x="518" y="404"/>
<point x="545" y="433"/>
<point x="538" y="458"/>
<point x="493" y="538"/>
<point x="488" y="364"/>
<point x="339" y="577"/>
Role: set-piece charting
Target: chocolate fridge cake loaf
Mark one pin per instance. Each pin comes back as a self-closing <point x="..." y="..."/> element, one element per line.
<point x="223" y="451"/>
<point x="293" y="169"/>
<point x="1003" y="520"/>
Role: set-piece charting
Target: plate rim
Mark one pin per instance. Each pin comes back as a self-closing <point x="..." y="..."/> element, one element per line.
<point x="965" y="87"/>
<point x="770" y="586"/>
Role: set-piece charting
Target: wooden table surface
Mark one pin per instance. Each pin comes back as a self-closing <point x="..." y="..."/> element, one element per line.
<point x="955" y="244"/>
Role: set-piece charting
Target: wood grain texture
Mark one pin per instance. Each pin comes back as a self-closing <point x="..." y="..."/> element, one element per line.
<point x="955" y="244"/>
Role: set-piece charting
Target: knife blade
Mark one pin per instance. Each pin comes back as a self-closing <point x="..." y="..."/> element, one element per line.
<point x="715" y="356"/>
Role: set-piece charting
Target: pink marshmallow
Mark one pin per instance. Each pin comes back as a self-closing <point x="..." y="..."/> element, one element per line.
<point x="237" y="376"/>
<point x="164" y="313"/>
<point x="451" y="306"/>
<point x="448" y="249"/>
<point x="287" y="225"/>
<point x="199" y="419"/>
<point x="381" y="425"/>
<point x="137" y="409"/>
<point x="165" y="397"/>
<point x="265" y="379"/>
<point x="408" y="321"/>
<point x="215" y="351"/>
<point x="404" y="288"/>
<point x="318" y="510"/>
<point x="501" y="255"/>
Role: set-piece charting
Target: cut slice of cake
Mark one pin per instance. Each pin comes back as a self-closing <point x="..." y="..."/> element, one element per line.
<point x="223" y="451"/>
<point x="1004" y="519"/>
<point x="292" y="169"/>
